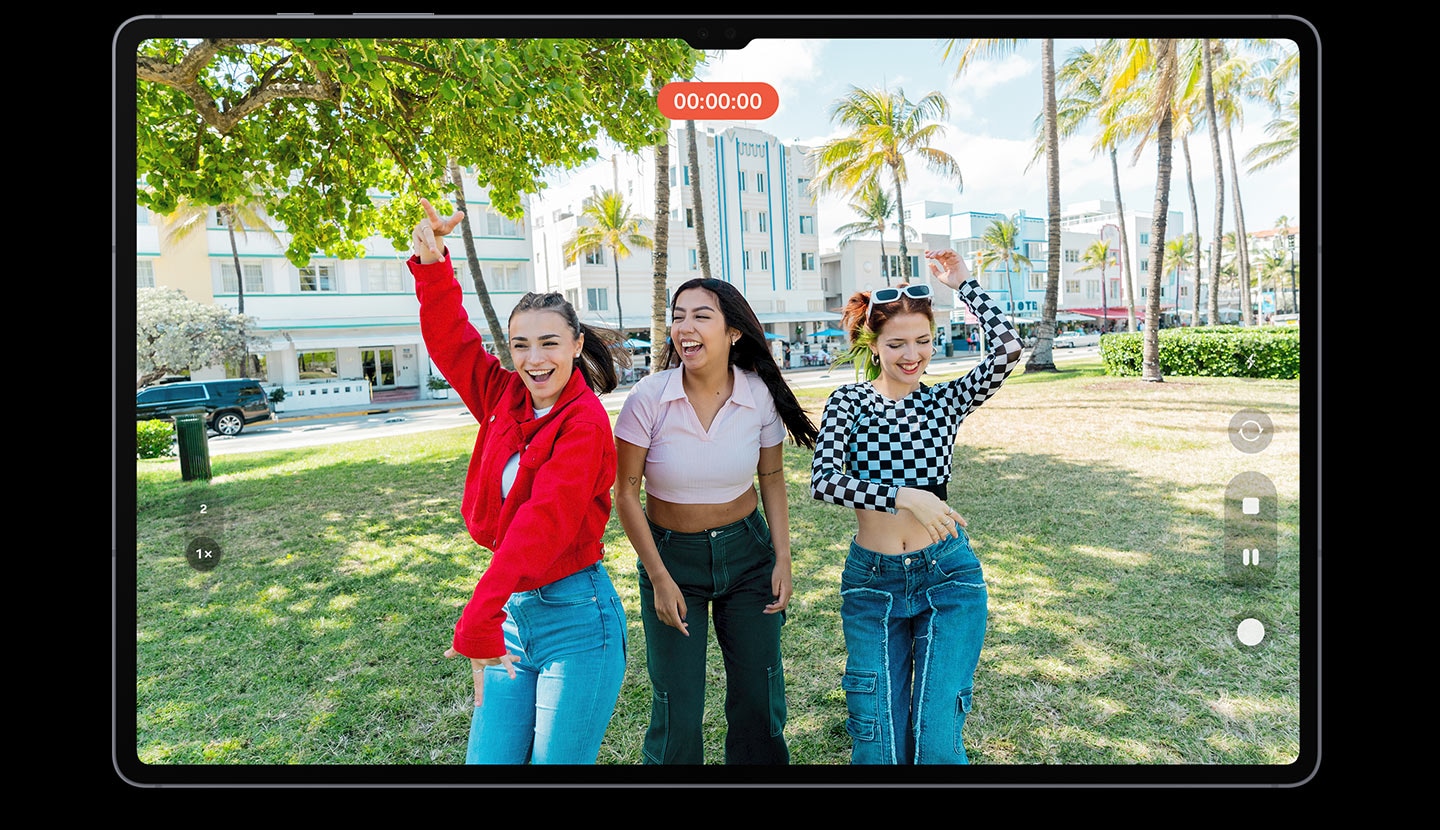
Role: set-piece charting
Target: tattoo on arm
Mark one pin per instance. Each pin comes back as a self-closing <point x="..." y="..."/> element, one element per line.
<point x="633" y="480"/>
<point x="773" y="472"/>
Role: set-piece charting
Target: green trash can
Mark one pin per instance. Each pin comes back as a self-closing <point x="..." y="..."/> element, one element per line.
<point x="192" y="441"/>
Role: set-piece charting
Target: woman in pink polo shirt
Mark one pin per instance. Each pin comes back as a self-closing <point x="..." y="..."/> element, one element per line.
<point x="699" y="433"/>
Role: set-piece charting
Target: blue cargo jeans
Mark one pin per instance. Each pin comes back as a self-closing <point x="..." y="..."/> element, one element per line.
<point x="914" y="624"/>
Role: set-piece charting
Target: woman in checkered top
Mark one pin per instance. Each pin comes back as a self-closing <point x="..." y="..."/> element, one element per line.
<point x="913" y="598"/>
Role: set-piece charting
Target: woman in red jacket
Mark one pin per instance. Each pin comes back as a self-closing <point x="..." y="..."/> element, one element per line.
<point x="544" y="628"/>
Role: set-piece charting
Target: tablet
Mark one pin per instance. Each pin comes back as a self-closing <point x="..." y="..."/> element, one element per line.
<point x="1145" y="501"/>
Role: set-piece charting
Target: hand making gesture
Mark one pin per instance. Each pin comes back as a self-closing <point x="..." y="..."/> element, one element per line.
<point x="947" y="267"/>
<point x="429" y="230"/>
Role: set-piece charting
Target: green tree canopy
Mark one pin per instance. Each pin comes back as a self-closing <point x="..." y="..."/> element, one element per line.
<point x="333" y="123"/>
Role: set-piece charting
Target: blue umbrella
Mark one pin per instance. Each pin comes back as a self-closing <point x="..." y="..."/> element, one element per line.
<point x="772" y="336"/>
<point x="831" y="332"/>
<point x="632" y="343"/>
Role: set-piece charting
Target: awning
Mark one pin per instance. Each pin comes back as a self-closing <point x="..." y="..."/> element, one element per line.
<point x="1113" y="312"/>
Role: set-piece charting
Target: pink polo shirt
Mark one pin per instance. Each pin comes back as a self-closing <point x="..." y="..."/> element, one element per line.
<point x="684" y="463"/>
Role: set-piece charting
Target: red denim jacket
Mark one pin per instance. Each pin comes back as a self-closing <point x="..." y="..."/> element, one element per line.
<point x="551" y="524"/>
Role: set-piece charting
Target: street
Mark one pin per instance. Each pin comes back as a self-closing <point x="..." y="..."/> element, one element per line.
<point x="291" y="433"/>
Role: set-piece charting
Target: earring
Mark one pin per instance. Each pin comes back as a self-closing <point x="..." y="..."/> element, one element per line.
<point x="736" y="340"/>
<point x="577" y="355"/>
<point x="875" y="358"/>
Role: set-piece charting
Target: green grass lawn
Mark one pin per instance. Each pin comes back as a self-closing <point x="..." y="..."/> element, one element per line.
<point x="1095" y="504"/>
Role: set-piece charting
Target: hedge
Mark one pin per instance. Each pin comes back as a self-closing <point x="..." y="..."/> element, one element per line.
<point x="1218" y="351"/>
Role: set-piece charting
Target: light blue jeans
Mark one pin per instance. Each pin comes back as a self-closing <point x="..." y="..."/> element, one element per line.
<point x="914" y="624"/>
<point x="570" y="637"/>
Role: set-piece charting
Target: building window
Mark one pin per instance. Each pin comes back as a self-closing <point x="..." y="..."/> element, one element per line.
<point x="1037" y="280"/>
<point x="384" y="276"/>
<point x="764" y="260"/>
<point x="1072" y="255"/>
<point x="672" y="176"/>
<point x="745" y="260"/>
<point x="572" y="296"/>
<point x="689" y="217"/>
<point x="497" y="224"/>
<point x="595" y="257"/>
<point x="1144" y="266"/>
<point x="144" y="273"/>
<point x="759" y="182"/>
<point x="807" y="261"/>
<point x="505" y="276"/>
<point x="694" y="256"/>
<point x="742" y="181"/>
<point x="1092" y="289"/>
<point x="317" y="365"/>
<point x="687" y="175"/>
<point x="1144" y="291"/>
<point x="807" y="224"/>
<point x="142" y="215"/>
<point x="745" y="220"/>
<point x="763" y="221"/>
<point x="254" y="278"/>
<point x="1072" y="286"/>
<point x="597" y="299"/>
<point x="1035" y="251"/>
<point x="312" y="278"/>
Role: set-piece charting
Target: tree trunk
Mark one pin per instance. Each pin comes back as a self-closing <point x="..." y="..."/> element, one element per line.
<point x="240" y="288"/>
<point x="900" y="212"/>
<point x="1242" y="244"/>
<point x="1150" y="361"/>
<point x="497" y="334"/>
<point x="697" y="201"/>
<point x="1194" y="212"/>
<point x="1127" y="280"/>
<point x="658" y="290"/>
<point x="1218" y="233"/>
<point x="619" y="313"/>
<point x="1041" y="356"/>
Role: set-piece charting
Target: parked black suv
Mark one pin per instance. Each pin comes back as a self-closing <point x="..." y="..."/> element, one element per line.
<point x="229" y="404"/>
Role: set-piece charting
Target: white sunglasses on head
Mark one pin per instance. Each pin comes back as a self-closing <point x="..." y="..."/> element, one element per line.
<point x="881" y="296"/>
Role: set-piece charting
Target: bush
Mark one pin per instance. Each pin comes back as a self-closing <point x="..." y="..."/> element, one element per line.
<point x="154" y="439"/>
<point x="1218" y="351"/>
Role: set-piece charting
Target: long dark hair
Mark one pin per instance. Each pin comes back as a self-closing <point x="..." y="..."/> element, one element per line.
<point x="598" y="357"/>
<point x="749" y="352"/>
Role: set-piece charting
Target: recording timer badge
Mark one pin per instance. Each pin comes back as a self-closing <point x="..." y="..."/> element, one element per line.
<point x="204" y="528"/>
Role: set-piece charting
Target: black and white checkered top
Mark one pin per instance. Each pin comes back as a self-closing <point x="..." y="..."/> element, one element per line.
<point x="870" y="446"/>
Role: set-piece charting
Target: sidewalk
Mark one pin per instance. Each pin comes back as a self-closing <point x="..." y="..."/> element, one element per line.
<point x="807" y="375"/>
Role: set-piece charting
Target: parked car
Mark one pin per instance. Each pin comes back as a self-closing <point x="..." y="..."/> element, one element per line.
<point x="1071" y="340"/>
<point x="229" y="404"/>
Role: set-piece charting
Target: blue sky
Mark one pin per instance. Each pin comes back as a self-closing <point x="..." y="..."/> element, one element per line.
<point x="993" y="121"/>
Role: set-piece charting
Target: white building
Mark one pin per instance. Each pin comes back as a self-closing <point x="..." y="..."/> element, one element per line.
<point x="341" y="332"/>
<point x="760" y="228"/>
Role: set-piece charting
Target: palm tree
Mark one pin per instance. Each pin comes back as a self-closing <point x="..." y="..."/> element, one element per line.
<point x="1096" y="256"/>
<point x="1001" y="244"/>
<point x="1207" y="57"/>
<point x="243" y="216"/>
<point x="612" y="227"/>
<point x="472" y="260"/>
<point x="885" y="127"/>
<point x="1082" y="77"/>
<point x="1284" y="130"/>
<point x="659" y="292"/>
<point x="1151" y="66"/>
<point x="1040" y="356"/>
<point x="875" y="207"/>
<point x="1178" y="252"/>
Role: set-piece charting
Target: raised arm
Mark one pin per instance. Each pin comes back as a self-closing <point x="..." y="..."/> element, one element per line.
<point x="1001" y="338"/>
<point x="453" y="342"/>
